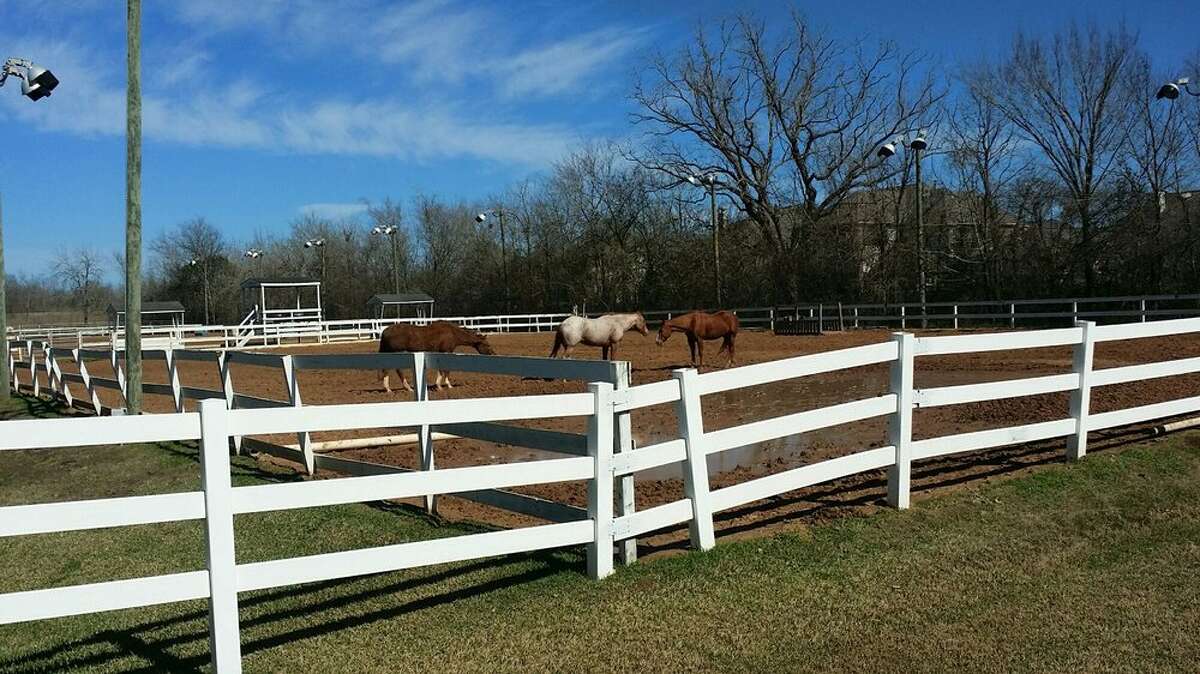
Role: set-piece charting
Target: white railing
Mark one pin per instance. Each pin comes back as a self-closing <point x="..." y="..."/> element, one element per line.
<point x="218" y="502"/>
<point x="306" y="452"/>
<point x="287" y="325"/>
<point x="601" y="527"/>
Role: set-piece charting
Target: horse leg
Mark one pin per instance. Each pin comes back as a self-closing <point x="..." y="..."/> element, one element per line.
<point x="404" y="381"/>
<point x="604" y="351"/>
<point x="700" y="351"/>
<point x="727" y="346"/>
<point x="612" y="351"/>
<point x="692" y="349"/>
<point x="386" y="385"/>
<point x="446" y="377"/>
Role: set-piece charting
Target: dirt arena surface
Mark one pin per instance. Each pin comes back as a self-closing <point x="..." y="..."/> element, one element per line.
<point x="861" y="493"/>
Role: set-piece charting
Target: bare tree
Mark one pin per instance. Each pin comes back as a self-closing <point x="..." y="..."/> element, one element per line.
<point x="789" y="123"/>
<point x="984" y="157"/>
<point x="80" y="271"/>
<point x="194" y="244"/>
<point x="1158" y="161"/>
<point x="1067" y="98"/>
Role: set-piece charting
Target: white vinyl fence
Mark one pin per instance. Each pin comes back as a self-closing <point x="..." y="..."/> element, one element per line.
<point x="603" y="528"/>
<point x="827" y="316"/>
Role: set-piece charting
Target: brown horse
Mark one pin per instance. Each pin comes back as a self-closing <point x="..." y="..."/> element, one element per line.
<point x="438" y="336"/>
<point x="699" y="326"/>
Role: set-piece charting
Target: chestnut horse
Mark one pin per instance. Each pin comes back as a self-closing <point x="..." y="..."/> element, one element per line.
<point x="699" y="326"/>
<point x="605" y="332"/>
<point x="438" y="336"/>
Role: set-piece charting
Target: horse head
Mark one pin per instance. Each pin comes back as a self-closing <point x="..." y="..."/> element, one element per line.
<point x="664" y="333"/>
<point x="639" y="324"/>
<point x="483" y="347"/>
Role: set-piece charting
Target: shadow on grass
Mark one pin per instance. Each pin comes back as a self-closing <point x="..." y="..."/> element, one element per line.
<point x="862" y="493"/>
<point x="280" y="612"/>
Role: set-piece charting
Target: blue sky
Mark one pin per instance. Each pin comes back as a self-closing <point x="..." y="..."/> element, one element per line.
<point x="255" y="110"/>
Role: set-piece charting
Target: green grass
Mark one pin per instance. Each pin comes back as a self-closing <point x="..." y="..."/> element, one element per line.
<point x="1090" y="566"/>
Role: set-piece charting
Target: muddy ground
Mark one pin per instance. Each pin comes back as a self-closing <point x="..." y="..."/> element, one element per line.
<point x="856" y="494"/>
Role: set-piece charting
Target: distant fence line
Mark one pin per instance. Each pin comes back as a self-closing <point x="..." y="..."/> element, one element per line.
<point x="814" y="317"/>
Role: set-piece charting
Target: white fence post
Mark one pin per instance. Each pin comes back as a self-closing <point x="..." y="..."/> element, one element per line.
<point x="1143" y="310"/>
<point x="1081" y="397"/>
<point x="223" y="637"/>
<point x="623" y="442"/>
<point x="695" y="467"/>
<point x="955" y="316"/>
<point x="424" y="436"/>
<point x="293" y="385"/>
<point x="33" y="380"/>
<point x="903" y="322"/>
<point x="223" y="371"/>
<point x="1074" y="313"/>
<point x="87" y="381"/>
<point x="173" y="376"/>
<point x="900" y="426"/>
<point x="855" y="318"/>
<point x="600" y="487"/>
<point x="1012" y="315"/>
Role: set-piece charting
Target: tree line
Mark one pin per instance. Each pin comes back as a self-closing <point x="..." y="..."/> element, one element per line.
<point x="1050" y="170"/>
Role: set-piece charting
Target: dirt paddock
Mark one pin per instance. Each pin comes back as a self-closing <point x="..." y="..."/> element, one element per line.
<point x="861" y="493"/>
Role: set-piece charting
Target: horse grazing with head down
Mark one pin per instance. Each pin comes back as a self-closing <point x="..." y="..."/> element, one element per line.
<point x="699" y="326"/>
<point x="605" y="332"/>
<point x="438" y="336"/>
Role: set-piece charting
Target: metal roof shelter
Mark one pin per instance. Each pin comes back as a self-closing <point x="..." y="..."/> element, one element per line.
<point x="267" y="296"/>
<point x="421" y="302"/>
<point x="153" y="313"/>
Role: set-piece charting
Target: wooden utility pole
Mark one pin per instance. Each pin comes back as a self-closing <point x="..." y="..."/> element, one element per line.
<point x="5" y="375"/>
<point x="133" y="210"/>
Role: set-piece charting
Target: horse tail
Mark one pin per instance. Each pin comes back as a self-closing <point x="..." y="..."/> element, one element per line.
<point x="559" y="342"/>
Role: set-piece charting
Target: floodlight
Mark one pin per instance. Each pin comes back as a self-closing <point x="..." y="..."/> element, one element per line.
<point x="919" y="142"/>
<point x="317" y="243"/>
<point x="1169" y="91"/>
<point x="481" y="217"/>
<point x="36" y="81"/>
<point x="886" y="150"/>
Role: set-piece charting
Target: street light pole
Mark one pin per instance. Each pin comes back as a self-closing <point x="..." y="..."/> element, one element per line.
<point x="391" y="231"/>
<point x="920" y="234"/>
<point x="133" y="210"/>
<point x="711" y="181"/>
<point x="918" y="146"/>
<point x="319" y="244"/>
<point x="499" y="213"/>
<point x="5" y="375"/>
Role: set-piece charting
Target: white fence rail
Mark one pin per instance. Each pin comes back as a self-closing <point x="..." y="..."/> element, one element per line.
<point x="828" y="316"/>
<point x="603" y="528"/>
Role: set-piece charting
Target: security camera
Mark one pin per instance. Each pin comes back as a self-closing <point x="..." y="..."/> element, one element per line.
<point x="481" y="217"/>
<point x="886" y="150"/>
<point x="1169" y="91"/>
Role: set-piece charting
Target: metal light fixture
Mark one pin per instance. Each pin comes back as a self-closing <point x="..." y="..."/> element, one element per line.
<point x="314" y="243"/>
<point x="36" y="81"/>
<point x="253" y="253"/>
<point x="1170" y="90"/>
<point x="385" y="229"/>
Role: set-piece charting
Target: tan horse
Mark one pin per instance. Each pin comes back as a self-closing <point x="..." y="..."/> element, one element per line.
<point x="699" y="326"/>
<point x="438" y="337"/>
<point x="605" y="332"/>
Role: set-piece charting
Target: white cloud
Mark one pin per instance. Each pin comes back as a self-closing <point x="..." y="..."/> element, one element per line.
<point x="560" y="67"/>
<point x="437" y="41"/>
<point x="333" y="211"/>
